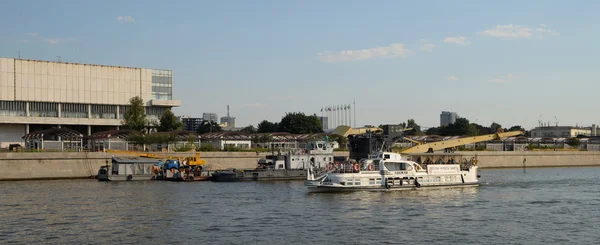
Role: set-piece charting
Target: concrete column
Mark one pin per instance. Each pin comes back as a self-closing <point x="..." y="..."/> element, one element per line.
<point x="89" y="112"/>
<point x="59" y="110"/>
<point x="26" y="108"/>
<point x="89" y="130"/>
<point x="59" y="138"/>
<point x="118" y="112"/>
<point x="26" y="128"/>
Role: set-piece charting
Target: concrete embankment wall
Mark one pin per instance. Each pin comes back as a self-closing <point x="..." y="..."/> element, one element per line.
<point x="67" y="165"/>
<point x="491" y="159"/>
<point x="50" y="165"/>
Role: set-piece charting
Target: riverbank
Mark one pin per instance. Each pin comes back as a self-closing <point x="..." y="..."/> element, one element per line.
<point x="69" y="165"/>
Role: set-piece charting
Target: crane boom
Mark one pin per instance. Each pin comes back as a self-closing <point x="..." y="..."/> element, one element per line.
<point x="440" y="145"/>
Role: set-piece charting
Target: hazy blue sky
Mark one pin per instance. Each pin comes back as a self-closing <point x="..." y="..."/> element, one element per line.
<point x="502" y="61"/>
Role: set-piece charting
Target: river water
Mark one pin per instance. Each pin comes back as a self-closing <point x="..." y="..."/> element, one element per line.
<point x="544" y="205"/>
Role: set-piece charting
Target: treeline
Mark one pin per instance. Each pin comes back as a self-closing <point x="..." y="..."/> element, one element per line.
<point x="460" y="127"/>
<point x="294" y="123"/>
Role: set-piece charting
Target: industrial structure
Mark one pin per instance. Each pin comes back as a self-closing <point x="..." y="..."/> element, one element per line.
<point x="228" y="121"/>
<point x="563" y="131"/>
<point x="37" y="95"/>
<point x="447" y="118"/>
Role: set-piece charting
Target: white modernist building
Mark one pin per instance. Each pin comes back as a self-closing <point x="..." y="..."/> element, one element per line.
<point x="37" y="95"/>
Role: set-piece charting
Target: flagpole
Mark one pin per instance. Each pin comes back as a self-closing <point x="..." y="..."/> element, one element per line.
<point x="354" y="112"/>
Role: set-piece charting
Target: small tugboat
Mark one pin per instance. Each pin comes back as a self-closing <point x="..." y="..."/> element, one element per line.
<point x="290" y="165"/>
<point x="388" y="171"/>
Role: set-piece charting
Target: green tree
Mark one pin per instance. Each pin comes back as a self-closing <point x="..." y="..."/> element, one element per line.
<point x="573" y="142"/>
<point x="298" y="123"/>
<point x="494" y="127"/>
<point x="209" y="127"/>
<point x="434" y="131"/>
<point x="416" y="129"/>
<point x="515" y="128"/>
<point x="267" y="127"/>
<point x="460" y="127"/>
<point x="168" y="122"/>
<point x="135" y="116"/>
<point x="249" y="130"/>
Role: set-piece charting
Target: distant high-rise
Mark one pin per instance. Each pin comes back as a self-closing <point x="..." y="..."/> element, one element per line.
<point x="210" y="117"/>
<point x="230" y="121"/>
<point x="447" y="118"/>
<point x="324" y="122"/>
<point x="191" y="124"/>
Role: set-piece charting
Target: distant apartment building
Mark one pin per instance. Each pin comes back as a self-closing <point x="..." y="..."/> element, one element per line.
<point x="191" y="123"/>
<point x="228" y="121"/>
<point x="447" y="118"/>
<point x="324" y="122"/>
<point x="210" y="117"/>
<point x="559" y="132"/>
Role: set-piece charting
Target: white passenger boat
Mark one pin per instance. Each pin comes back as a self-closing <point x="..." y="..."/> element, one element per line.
<point x="388" y="171"/>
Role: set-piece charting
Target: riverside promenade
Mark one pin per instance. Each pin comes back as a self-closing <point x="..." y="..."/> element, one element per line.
<point x="67" y="165"/>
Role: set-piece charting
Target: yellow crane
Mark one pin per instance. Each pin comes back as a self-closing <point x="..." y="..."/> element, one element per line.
<point x="444" y="144"/>
<point x="190" y="160"/>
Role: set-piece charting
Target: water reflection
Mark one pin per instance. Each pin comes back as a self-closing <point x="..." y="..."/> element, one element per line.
<point x="542" y="205"/>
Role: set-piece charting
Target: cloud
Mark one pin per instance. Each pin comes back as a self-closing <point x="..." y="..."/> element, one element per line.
<point x="394" y="50"/>
<point x="36" y="37"/>
<point x="126" y="18"/>
<point x="57" y="40"/>
<point x="502" y="79"/>
<point x="518" y="31"/>
<point x="453" y="78"/>
<point x="426" y="46"/>
<point x="254" y="105"/>
<point x="458" y="40"/>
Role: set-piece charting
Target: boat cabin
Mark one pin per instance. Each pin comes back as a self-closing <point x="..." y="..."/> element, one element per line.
<point x="132" y="166"/>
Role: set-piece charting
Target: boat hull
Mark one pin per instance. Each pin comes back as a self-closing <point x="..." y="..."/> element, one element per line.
<point x="125" y="178"/>
<point x="258" y="175"/>
<point x="329" y="188"/>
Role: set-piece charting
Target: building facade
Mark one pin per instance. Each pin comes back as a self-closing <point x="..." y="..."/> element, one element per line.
<point x="37" y="95"/>
<point x="447" y="118"/>
<point x="324" y="123"/>
<point x="191" y="123"/>
<point x="210" y="117"/>
<point x="560" y="131"/>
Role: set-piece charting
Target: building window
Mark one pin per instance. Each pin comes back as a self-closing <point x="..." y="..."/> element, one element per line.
<point x="104" y="111"/>
<point x="12" y="108"/>
<point x="43" y="109"/>
<point x="154" y="113"/>
<point x="162" y="84"/>
<point x="74" y="110"/>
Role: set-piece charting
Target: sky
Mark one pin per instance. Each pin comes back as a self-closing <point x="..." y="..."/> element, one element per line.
<point x="510" y="62"/>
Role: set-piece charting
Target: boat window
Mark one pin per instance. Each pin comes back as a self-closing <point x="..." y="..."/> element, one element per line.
<point x="386" y="156"/>
<point x="320" y="145"/>
<point x="371" y="181"/>
<point x="395" y="166"/>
